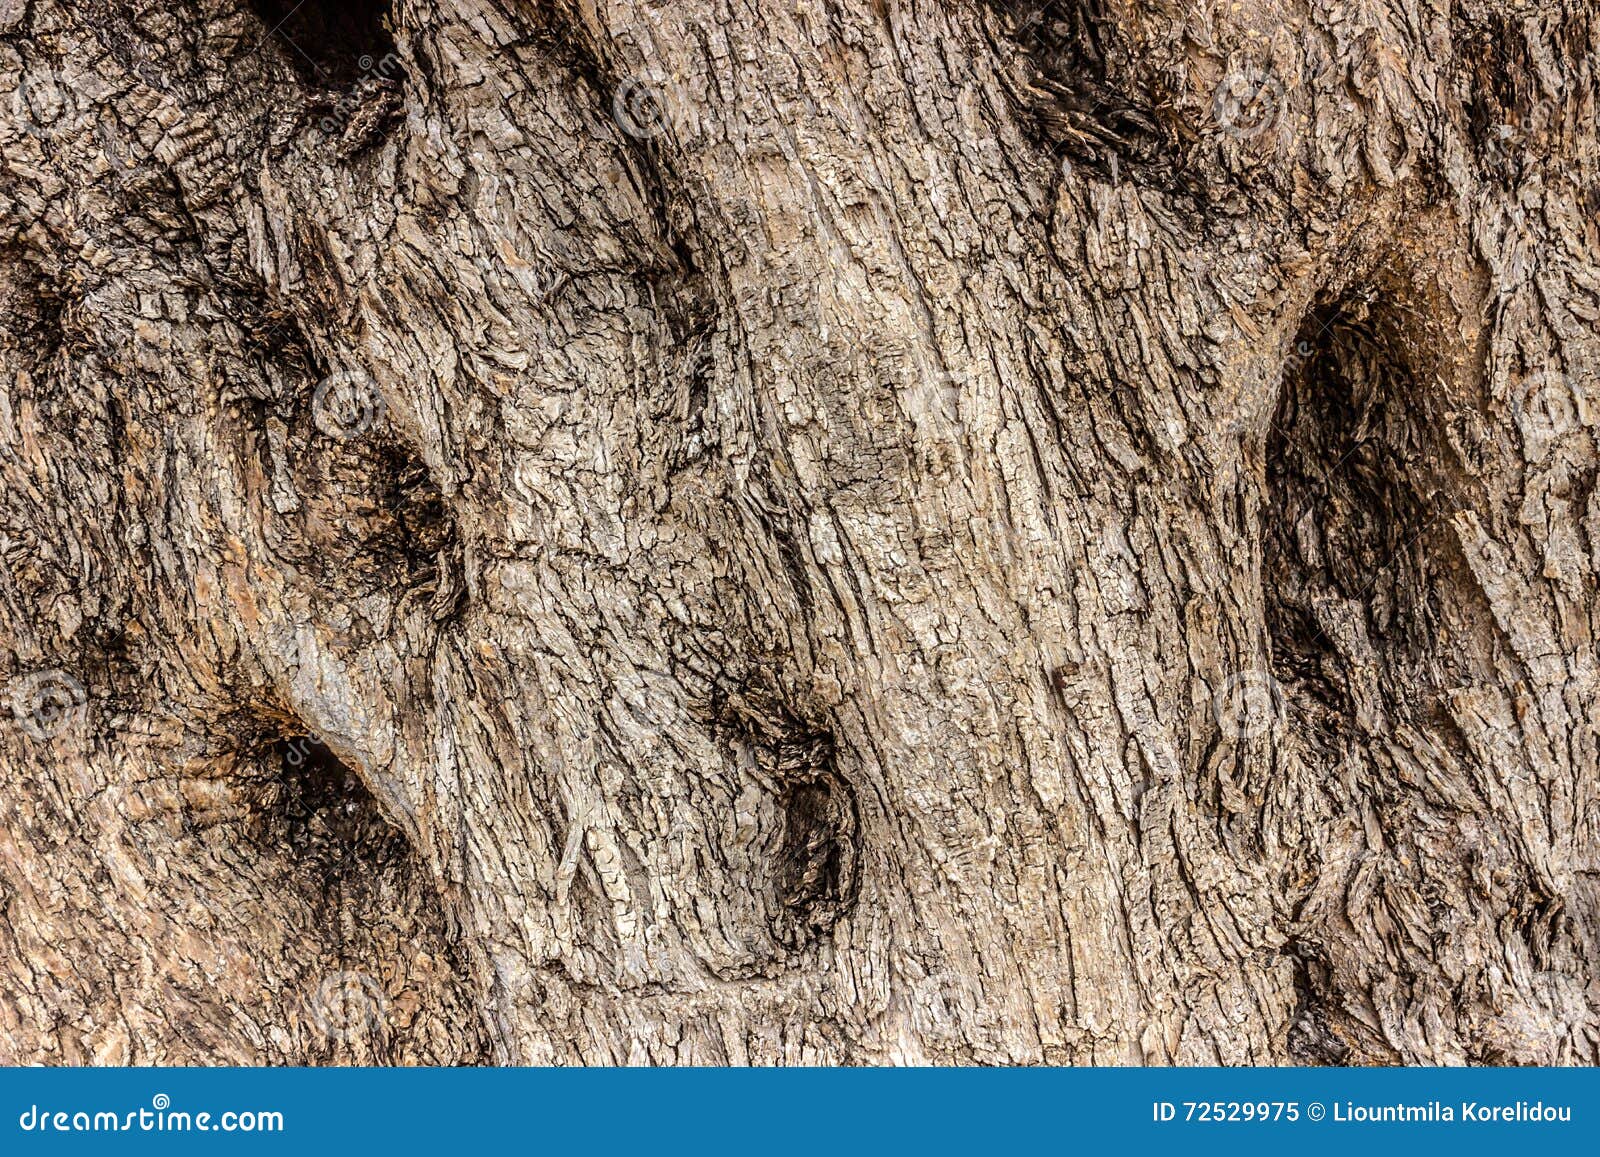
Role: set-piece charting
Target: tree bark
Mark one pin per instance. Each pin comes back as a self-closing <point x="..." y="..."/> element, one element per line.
<point x="811" y="532"/>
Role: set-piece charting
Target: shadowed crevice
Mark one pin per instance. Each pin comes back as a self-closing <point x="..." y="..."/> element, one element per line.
<point x="1085" y="96"/>
<point x="816" y="869"/>
<point x="1355" y="524"/>
<point x="329" y="43"/>
<point x="318" y="810"/>
<point x="813" y="849"/>
<point x="387" y="978"/>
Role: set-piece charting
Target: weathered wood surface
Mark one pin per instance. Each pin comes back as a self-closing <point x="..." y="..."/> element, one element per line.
<point x="814" y="531"/>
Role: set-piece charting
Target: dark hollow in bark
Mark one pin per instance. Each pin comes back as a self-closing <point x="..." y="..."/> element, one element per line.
<point x="329" y="43"/>
<point x="767" y="563"/>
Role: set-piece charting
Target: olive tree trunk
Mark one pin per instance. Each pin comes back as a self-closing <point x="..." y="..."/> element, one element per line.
<point x="820" y="531"/>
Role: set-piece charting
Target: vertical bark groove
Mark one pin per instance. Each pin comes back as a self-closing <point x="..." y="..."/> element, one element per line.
<point x="783" y="568"/>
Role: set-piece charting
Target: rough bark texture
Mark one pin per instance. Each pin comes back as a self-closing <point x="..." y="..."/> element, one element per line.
<point x="810" y="531"/>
